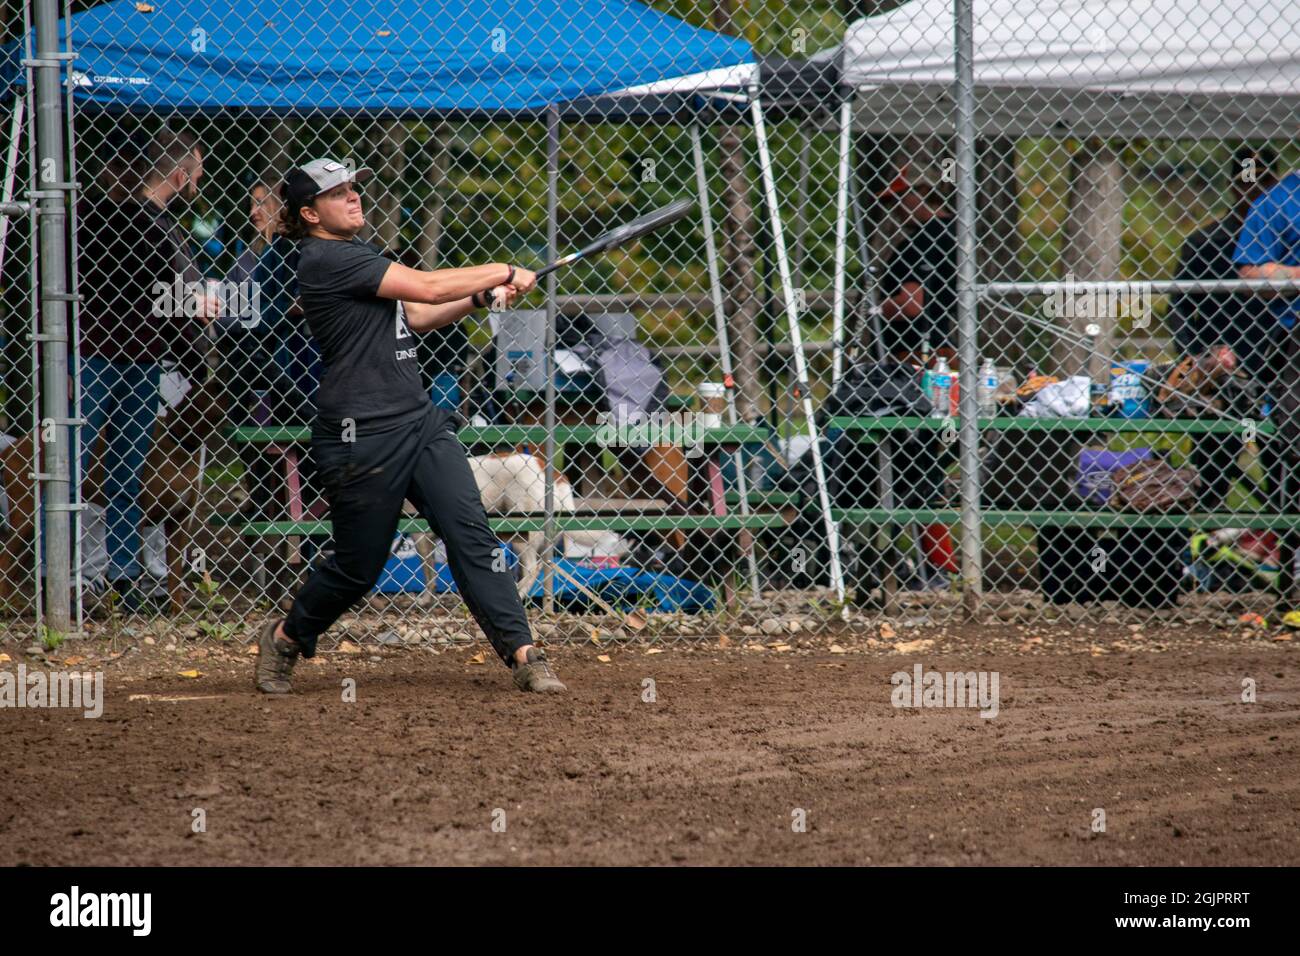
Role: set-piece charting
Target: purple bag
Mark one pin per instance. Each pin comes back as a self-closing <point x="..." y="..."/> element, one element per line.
<point x="1096" y="482"/>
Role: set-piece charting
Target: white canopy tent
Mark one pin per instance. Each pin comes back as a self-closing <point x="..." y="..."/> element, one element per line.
<point x="1212" y="69"/>
<point x="1193" y="68"/>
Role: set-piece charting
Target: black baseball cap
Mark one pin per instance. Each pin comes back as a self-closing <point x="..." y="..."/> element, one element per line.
<point x="304" y="183"/>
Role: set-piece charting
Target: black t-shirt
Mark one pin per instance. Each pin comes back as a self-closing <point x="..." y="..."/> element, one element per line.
<point x="1200" y="319"/>
<point x="126" y="249"/>
<point x="929" y="256"/>
<point x="372" y="374"/>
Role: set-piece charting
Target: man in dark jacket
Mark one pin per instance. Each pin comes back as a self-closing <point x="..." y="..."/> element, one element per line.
<point x="139" y="278"/>
<point x="1201" y="320"/>
<point x="919" y="285"/>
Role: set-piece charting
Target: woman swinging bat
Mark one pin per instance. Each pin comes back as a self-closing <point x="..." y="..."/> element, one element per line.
<point x="377" y="439"/>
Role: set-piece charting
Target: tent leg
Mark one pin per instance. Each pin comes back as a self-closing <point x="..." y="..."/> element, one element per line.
<point x="724" y="345"/>
<point x="11" y="169"/>
<point x="841" y="243"/>
<point x="799" y="227"/>
<point x="796" y="342"/>
<point x="799" y="230"/>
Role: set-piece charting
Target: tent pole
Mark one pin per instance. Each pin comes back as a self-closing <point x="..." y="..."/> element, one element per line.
<point x="11" y="171"/>
<point x="724" y="344"/>
<point x="967" y="346"/>
<point x="800" y="225"/>
<point x="552" y="281"/>
<point x="841" y="242"/>
<point x="796" y="342"/>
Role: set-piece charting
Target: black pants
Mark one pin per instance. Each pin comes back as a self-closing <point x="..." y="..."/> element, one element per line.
<point x="365" y="482"/>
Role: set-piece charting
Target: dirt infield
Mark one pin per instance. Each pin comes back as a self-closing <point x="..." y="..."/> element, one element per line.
<point x="1150" y="728"/>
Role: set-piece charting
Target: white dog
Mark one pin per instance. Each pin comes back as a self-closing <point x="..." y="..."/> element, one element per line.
<point x="513" y="482"/>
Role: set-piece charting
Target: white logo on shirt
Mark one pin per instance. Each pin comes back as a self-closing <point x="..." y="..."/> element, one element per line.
<point x="403" y="332"/>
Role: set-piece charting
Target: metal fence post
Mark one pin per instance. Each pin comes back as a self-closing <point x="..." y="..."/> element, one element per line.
<point x="552" y="281"/>
<point x="53" y="462"/>
<point x="967" y="347"/>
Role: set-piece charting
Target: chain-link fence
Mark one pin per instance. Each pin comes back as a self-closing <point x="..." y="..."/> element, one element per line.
<point x="1129" y="435"/>
<point x="934" y="340"/>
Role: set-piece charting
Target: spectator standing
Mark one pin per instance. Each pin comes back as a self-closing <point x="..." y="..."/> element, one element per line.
<point x="135" y="257"/>
<point x="269" y="366"/>
<point x="919" y="283"/>
<point x="1269" y="248"/>
<point x="270" y="363"/>
<point x="918" y="300"/>
<point x="1200" y="321"/>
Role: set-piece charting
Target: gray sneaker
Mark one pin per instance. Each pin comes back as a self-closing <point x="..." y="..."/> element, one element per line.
<point x="275" y="660"/>
<point x="536" y="675"/>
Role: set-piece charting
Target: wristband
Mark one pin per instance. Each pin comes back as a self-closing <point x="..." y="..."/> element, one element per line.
<point x="510" y="278"/>
<point x="477" y="302"/>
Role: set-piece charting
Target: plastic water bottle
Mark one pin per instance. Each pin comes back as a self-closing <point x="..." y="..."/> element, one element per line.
<point x="927" y="375"/>
<point x="941" y="389"/>
<point x="988" y="386"/>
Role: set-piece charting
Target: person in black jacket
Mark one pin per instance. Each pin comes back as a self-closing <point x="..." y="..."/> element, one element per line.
<point x="919" y="285"/>
<point x="1201" y="320"/>
<point x="135" y="257"/>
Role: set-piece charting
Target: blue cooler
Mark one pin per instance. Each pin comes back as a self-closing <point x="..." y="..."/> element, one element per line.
<point x="404" y="571"/>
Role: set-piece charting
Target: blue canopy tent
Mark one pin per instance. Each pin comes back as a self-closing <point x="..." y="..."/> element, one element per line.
<point x="387" y="58"/>
<point x="379" y="57"/>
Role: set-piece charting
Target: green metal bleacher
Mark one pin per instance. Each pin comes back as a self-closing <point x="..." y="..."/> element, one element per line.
<point x="871" y="430"/>
<point x="514" y="435"/>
